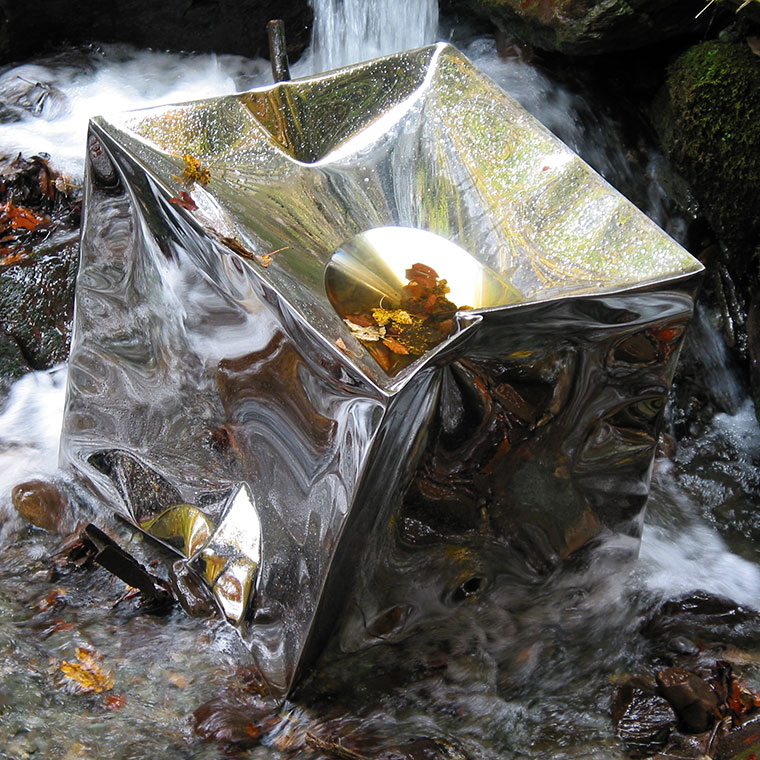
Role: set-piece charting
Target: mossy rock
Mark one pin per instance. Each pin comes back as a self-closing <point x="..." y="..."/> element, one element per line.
<point x="713" y="138"/>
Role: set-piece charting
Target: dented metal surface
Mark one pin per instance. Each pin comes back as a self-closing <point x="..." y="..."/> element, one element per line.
<point x="218" y="398"/>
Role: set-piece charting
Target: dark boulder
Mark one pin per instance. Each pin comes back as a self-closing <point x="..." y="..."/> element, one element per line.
<point x="29" y="27"/>
<point x="707" y="116"/>
<point x="589" y="27"/>
<point x="712" y="136"/>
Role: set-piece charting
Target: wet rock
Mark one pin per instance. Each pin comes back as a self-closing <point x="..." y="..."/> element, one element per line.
<point x="690" y="696"/>
<point x="643" y="720"/>
<point x="190" y="590"/>
<point x="39" y="220"/>
<point x="711" y="136"/>
<point x="36" y="308"/>
<point x="704" y="616"/>
<point x="583" y="27"/>
<point x="41" y="504"/>
<point x="230" y="720"/>
<point x="740" y="744"/>
<point x="753" y="344"/>
<point x="28" y="27"/>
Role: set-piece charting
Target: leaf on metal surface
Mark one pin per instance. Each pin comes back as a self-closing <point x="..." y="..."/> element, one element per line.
<point x="185" y="200"/>
<point x="195" y="171"/>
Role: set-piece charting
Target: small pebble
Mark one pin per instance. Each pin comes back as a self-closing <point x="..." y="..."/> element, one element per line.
<point x="41" y="504"/>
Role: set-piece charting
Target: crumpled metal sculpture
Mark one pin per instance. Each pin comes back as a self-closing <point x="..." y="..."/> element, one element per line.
<point x="365" y="347"/>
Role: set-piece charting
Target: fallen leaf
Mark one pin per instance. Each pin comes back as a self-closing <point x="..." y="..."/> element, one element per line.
<point x="116" y="701"/>
<point x="195" y="171"/>
<point x="13" y="257"/>
<point x="184" y="199"/>
<point x="58" y="625"/>
<point x="383" y="316"/>
<point x="371" y="333"/>
<point x="394" y="345"/>
<point x="87" y="673"/>
<point x="21" y="218"/>
<point x="178" y="680"/>
<point x="54" y="600"/>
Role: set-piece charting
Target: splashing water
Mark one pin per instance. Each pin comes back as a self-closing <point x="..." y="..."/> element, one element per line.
<point x="46" y="105"/>
<point x="30" y="426"/>
<point x="349" y="31"/>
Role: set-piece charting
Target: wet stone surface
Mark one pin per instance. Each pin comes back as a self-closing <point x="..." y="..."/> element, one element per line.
<point x="41" y="504"/>
<point x="39" y="247"/>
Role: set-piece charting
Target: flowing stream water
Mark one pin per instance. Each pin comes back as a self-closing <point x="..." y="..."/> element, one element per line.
<point x="554" y="701"/>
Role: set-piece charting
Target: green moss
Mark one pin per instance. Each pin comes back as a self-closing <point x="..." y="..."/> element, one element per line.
<point x="714" y="94"/>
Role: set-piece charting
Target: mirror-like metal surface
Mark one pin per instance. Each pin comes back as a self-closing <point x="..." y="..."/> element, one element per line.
<point x="370" y="477"/>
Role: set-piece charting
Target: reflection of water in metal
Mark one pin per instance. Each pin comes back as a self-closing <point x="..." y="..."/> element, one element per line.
<point x="202" y="360"/>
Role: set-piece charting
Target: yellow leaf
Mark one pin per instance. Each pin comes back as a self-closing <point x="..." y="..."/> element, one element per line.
<point x="194" y="171"/>
<point x="88" y="673"/>
<point x="399" y="316"/>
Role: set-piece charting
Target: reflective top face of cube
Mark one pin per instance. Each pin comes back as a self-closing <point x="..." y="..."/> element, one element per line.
<point x="364" y="346"/>
<point x="287" y="175"/>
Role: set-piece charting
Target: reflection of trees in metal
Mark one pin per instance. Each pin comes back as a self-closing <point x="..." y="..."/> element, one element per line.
<point x="218" y="399"/>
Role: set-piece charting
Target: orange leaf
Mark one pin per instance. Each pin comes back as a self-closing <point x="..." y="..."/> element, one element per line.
<point x="195" y="171"/>
<point x="116" y="701"/>
<point x="394" y="345"/>
<point x="21" y="218"/>
<point x="13" y="258"/>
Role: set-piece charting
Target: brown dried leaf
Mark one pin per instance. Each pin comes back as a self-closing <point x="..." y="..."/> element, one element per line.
<point x="754" y="44"/>
<point x="10" y="256"/>
<point x="394" y="345"/>
<point x="371" y="333"/>
<point x="21" y="218"/>
<point x="116" y="701"/>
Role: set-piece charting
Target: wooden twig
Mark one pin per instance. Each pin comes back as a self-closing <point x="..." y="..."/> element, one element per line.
<point x="278" y="51"/>
<point x="332" y="748"/>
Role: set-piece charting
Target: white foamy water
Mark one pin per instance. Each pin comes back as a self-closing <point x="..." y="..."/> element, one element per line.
<point x="54" y="99"/>
<point x="30" y="428"/>
<point x="349" y="31"/>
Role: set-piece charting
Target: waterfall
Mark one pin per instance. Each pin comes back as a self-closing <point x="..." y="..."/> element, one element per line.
<point x="348" y="31"/>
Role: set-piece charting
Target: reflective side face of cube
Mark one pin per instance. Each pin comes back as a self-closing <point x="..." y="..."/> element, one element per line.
<point x="364" y="348"/>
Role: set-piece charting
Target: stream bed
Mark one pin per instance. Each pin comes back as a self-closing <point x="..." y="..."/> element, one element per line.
<point x="541" y="687"/>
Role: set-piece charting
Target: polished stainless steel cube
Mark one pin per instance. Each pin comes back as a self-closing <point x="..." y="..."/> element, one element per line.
<point x="365" y="348"/>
